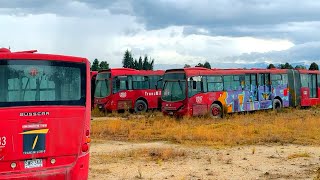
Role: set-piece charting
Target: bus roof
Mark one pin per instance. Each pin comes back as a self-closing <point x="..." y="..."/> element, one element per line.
<point x="6" y="54"/>
<point x="129" y="71"/>
<point x="305" y="71"/>
<point x="196" y="71"/>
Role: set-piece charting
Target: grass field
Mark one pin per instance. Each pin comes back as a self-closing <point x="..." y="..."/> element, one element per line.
<point x="294" y="126"/>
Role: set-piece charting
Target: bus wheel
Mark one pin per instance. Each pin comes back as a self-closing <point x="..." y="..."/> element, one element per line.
<point x="276" y="104"/>
<point x="215" y="111"/>
<point x="140" y="106"/>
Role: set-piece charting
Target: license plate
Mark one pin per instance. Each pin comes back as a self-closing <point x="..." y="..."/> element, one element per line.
<point x="170" y="113"/>
<point x="100" y="107"/>
<point x="33" y="163"/>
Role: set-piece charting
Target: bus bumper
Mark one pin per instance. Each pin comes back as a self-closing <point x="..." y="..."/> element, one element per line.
<point x="79" y="170"/>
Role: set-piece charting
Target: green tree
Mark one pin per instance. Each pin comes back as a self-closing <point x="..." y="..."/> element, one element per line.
<point x="127" y="60"/>
<point x="150" y="67"/>
<point x="140" y="63"/>
<point x="103" y="65"/>
<point x="199" y="65"/>
<point x="145" y="63"/>
<point x="300" y="67"/>
<point x="207" y="65"/>
<point x="187" y="66"/>
<point x="271" y="66"/>
<point x="314" y="66"/>
<point x="95" y="65"/>
<point x="285" y="66"/>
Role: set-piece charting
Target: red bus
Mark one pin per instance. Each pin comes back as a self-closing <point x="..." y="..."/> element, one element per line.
<point x="93" y="75"/>
<point x="45" y="116"/>
<point x="304" y="87"/>
<point x="200" y="91"/>
<point x="124" y="88"/>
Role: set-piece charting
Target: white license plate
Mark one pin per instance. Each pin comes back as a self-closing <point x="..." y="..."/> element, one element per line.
<point x="170" y="113"/>
<point x="33" y="163"/>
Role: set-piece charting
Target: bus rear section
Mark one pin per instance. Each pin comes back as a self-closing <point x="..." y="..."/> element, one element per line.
<point x="305" y="87"/>
<point x="45" y="116"/>
<point x="128" y="89"/>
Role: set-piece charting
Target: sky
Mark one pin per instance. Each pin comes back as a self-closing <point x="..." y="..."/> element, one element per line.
<point x="226" y="33"/>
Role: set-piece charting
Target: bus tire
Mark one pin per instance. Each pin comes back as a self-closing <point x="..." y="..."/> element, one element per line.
<point x="276" y="104"/>
<point x="140" y="106"/>
<point x="216" y="111"/>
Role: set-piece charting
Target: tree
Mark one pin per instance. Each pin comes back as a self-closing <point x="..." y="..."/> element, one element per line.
<point x="151" y="64"/>
<point x="271" y="66"/>
<point x="145" y="63"/>
<point x="103" y="65"/>
<point x="207" y="65"/>
<point x="187" y="66"/>
<point x="300" y="67"/>
<point x="199" y="65"/>
<point x="127" y="61"/>
<point x="314" y="66"/>
<point x="140" y="63"/>
<point x="285" y="66"/>
<point x="95" y="65"/>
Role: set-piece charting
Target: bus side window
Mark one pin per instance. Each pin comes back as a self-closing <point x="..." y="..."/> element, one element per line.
<point x="227" y="83"/>
<point x="129" y="82"/>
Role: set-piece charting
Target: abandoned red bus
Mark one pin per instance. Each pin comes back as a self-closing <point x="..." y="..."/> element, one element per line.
<point x="93" y="75"/>
<point x="304" y="87"/>
<point x="200" y="91"/>
<point x="45" y="116"/>
<point x="124" y="88"/>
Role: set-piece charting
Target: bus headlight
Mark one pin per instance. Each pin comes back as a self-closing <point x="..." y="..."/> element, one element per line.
<point x="13" y="165"/>
<point x="53" y="161"/>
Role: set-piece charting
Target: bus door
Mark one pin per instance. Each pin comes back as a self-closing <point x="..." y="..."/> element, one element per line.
<point x="313" y="85"/>
<point x="264" y="91"/>
<point x="252" y="91"/>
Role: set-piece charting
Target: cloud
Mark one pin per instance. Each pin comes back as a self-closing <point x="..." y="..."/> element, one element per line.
<point x="302" y="53"/>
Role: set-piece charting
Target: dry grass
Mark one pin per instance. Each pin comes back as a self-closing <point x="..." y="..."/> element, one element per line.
<point x="298" y="126"/>
<point x="149" y="154"/>
<point x="299" y="155"/>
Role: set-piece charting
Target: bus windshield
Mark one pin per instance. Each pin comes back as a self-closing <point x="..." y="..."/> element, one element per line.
<point x="102" y="85"/>
<point x="174" y="90"/>
<point x="41" y="82"/>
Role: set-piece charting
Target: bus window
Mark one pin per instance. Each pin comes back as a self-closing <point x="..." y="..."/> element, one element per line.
<point x="227" y="83"/>
<point x="154" y="82"/>
<point x="214" y="83"/>
<point x="194" y="85"/>
<point x="140" y="82"/>
<point x="304" y="80"/>
<point x="120" y="83"/>
<point x="276" y="79"/>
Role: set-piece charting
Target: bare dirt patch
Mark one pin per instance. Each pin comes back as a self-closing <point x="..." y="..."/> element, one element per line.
<point x="163" y="160"/>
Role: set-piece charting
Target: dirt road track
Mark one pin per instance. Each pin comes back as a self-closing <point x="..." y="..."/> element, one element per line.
<point x="244" y="162"/>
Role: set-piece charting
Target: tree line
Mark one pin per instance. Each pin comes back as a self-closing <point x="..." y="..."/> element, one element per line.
<point x="129" y="62"/>
<point x="205" y="65"/>
<point x="146" y="63"/>
<point x="313" y="66"/>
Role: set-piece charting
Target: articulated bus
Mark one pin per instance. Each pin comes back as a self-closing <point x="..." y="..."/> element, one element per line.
<point x="304" y="87"/>
<point x="45" y="116"/>
<point x="200" y="91"/>
<point x="125" y="88"/>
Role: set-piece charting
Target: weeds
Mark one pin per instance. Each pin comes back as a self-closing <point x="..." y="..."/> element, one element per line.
<point x="289" y="126"/>
<point x="299" y="155"/>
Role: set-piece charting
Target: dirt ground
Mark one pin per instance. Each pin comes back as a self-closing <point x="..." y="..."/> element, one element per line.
<point x="113" y="160"/>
